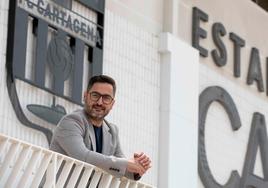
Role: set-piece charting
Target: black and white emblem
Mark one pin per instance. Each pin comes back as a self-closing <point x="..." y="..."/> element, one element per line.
<point x="52" y="51"/>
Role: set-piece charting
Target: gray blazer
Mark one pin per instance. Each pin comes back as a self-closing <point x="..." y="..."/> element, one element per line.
<point x="74" y="136"/>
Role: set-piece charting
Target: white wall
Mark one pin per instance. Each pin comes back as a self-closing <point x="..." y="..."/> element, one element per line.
<point x="178" y="113"/>
<point x="144" y="14"/>
<point x="131" y="57"/>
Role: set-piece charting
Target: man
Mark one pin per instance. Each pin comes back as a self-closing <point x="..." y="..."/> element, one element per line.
<point x="85" y="135"/>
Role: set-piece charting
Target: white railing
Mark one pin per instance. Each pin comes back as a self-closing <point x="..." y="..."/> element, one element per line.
<point x="24" y="165"/>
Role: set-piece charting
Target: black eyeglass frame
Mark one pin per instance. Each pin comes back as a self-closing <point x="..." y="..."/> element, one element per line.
<point x="103" y="97"/>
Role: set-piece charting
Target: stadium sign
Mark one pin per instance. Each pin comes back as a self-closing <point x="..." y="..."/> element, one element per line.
<point x="258" y="133"/>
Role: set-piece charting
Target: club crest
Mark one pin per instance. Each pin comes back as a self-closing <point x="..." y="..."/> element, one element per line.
<point x="52" y="51"/>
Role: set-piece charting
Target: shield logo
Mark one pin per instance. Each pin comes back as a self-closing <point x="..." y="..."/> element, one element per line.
<point x="52" y="51"/>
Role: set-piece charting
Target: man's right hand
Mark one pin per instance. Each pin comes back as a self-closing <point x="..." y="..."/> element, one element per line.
<point x="135" y="167"/>
<point x="143" y="160"/>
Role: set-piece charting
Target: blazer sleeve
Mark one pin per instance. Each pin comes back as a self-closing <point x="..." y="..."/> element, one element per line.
<point x="69" y="135"/>
<point x="119" y="153"/>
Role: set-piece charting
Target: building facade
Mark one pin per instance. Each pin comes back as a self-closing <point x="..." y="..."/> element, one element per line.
<point x="192" y="80"/>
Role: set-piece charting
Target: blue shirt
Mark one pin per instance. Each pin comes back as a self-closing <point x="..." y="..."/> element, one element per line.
<point x="98" y="136"/>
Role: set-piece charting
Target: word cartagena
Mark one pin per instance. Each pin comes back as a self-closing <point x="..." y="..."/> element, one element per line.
<point x="63" y="18"/>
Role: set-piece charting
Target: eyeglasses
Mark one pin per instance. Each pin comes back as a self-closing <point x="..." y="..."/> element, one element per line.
<point x="106" y="99"/>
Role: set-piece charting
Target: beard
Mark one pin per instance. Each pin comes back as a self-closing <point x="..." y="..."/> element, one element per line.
<point x="97" y="112"/>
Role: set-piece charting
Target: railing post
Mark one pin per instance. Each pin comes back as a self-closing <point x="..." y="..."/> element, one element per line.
<point x="95" y="179"/>
<point x="51" y="173"/>
<point x="64" y="173"/>
<point x="75" y="176"/>
<point x="142" y="186"/>
<point x="42" y="169"/>
<point x="18" y="166"/>
<point x="106" y="180"/>
<point x="3" y="145"/>
<point x="133" y="185"/>
<point x="8" y="158"/>
<point x="86" y="174"/>
<point x="124" y="183"/>
<point x="115" y="182"/>
<point x="30" y="167"/>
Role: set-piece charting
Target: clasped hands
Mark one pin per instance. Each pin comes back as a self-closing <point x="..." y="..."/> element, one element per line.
<point x="140" y="163"/>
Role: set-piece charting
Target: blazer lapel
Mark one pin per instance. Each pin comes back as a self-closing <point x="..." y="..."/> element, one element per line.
<point x="90" y="132"/>
<point x="107" y="139"/>
<point x="90" y="135"/>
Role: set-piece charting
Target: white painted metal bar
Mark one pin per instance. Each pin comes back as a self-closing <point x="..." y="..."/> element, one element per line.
<point x="18" y="166"/>
<point x="25" y="165"/>
<point x="30" y="168"/>
<point x="140" y="185"/>
<point x="85" y="177"/>
<point x="133" y="185"/>
<point x="144" y="185"/>
<point x="8" y="158"/>
<point x="115" y="182"/>
<point x="41" y="170"/>
<point x="3" y="145"/>
<point x="106" y="180"/>
<point x="95" y="179"/>
<point x="75" y="176"/>
<point x="51" y="173"/>
<point x="59" y="161"/>
<point x="64" y="173"/>
<point x="124" y="184"/>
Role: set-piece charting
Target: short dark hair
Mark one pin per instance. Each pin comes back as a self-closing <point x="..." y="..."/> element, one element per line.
<point x="101" y="79"/>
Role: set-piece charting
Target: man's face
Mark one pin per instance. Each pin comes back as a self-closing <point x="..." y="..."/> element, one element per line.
<point x="96" y="108"/>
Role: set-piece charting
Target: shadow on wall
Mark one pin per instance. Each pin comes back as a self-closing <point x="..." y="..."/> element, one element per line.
<point x="262" y="3"/>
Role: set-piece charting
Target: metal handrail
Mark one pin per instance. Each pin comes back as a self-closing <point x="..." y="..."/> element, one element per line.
<point x="25" y="165"/>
